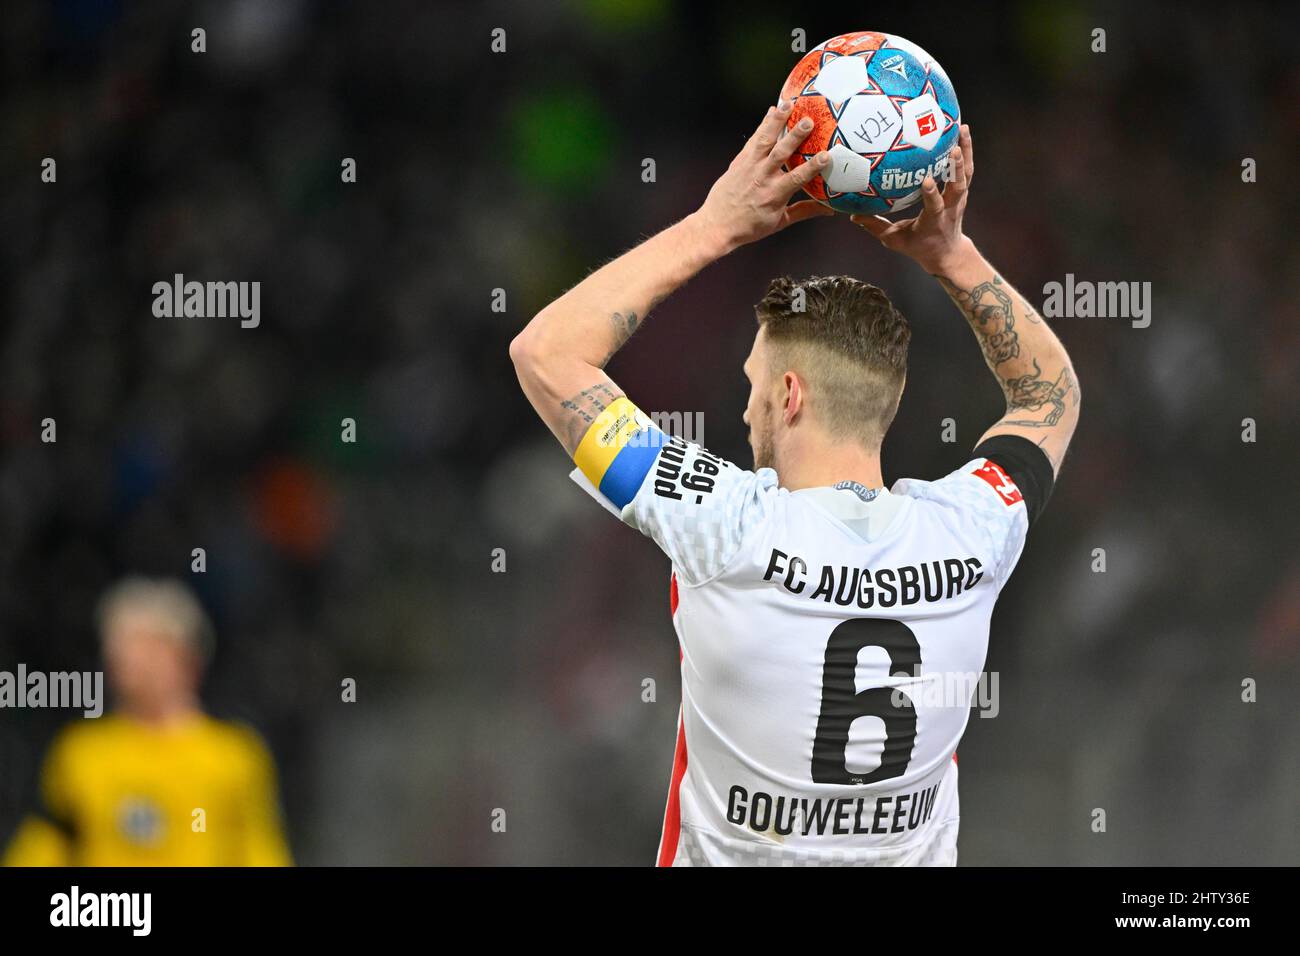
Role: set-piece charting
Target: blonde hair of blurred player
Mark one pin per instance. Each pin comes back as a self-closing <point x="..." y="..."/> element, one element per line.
<point x="156" y="641"/>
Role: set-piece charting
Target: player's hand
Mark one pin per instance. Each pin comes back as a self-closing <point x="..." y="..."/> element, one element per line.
<point x="748" y="202"/>
<point x="934" y="237"/>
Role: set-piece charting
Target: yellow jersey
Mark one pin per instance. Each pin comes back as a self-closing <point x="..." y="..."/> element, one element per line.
<point x="118" y="792"/>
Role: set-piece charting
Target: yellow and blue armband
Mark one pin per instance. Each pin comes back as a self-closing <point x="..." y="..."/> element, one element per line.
<point x="619" y="450"/>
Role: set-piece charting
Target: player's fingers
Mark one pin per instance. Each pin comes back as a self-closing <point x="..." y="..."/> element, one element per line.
<point x="790" y="140"/>
<point x="967" y="153"/>
<point x="806" y="209"/>
<point x="876" y="225"/>
<point x="956" y="188"/>
<point x="769" y="130"/>
<point x="931" y="198"/>
<point x="801" y="176"/>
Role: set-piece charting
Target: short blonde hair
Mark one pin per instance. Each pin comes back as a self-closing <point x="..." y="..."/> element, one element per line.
<point x="172" y="600"/>
<point x="847" y="339"/>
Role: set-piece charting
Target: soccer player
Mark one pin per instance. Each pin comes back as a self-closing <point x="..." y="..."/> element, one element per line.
<point x="823" y="620"/>
<point x="158" y="783"/>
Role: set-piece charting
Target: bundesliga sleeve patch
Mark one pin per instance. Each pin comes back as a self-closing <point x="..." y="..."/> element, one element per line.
<point x="999" y="481"/>
<point x="619" y="450"/>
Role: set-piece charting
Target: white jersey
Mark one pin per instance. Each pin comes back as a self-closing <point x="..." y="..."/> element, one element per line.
<point x="831" y="639"/>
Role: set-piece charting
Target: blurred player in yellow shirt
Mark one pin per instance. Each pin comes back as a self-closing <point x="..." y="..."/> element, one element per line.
<point x="157" y="782"/>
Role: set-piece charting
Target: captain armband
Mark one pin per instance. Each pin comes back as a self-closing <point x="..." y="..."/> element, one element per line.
<point x="619" y="450"/>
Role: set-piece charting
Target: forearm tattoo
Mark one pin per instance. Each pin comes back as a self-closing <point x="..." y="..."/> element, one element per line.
<point x="624" y="324"/>
<point x="988" y="309"/>
<point x="1034" y="394"/>
<point x="992" y="315"/>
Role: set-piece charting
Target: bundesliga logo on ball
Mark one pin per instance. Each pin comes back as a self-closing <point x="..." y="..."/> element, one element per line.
<point x="884" y="110"/>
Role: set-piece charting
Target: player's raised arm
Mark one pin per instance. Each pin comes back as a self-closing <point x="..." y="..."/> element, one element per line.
<point x="560" y="355"/>
<point x="1025" y="356"/>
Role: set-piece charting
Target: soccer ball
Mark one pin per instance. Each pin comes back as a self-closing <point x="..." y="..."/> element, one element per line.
<point x="883" y="109"/>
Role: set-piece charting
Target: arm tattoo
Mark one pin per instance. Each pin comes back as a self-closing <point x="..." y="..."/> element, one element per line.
<point x="988" y="309"/>
<point x="1040" y="400"/>
<point x="583" y="409"/>
<point x="1032" y="393"/>
<point x="587" y="405"/>
<point x="624" y="323"/>
<point x="1030" y="312"/>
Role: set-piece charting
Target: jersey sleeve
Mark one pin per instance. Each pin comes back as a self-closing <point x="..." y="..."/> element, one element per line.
<point x="984" y="505"/>
<point x="46" y="835"/>
<point x="698" y="507"/>
<point x="1026" y="464"/>
<point x="262" y="841"/>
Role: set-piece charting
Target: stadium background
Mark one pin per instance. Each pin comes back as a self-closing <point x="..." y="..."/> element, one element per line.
<point x="522" y="171"/>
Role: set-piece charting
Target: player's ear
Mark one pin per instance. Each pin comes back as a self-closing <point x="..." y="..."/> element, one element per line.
<point x="792" y="403"/>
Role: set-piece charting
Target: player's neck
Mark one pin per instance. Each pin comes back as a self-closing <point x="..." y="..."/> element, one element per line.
<point x="819" y="465"/>
<point x="165" y="713"/>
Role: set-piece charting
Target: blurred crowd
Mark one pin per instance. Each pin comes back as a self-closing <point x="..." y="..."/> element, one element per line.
<point x="521" y="690"/>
